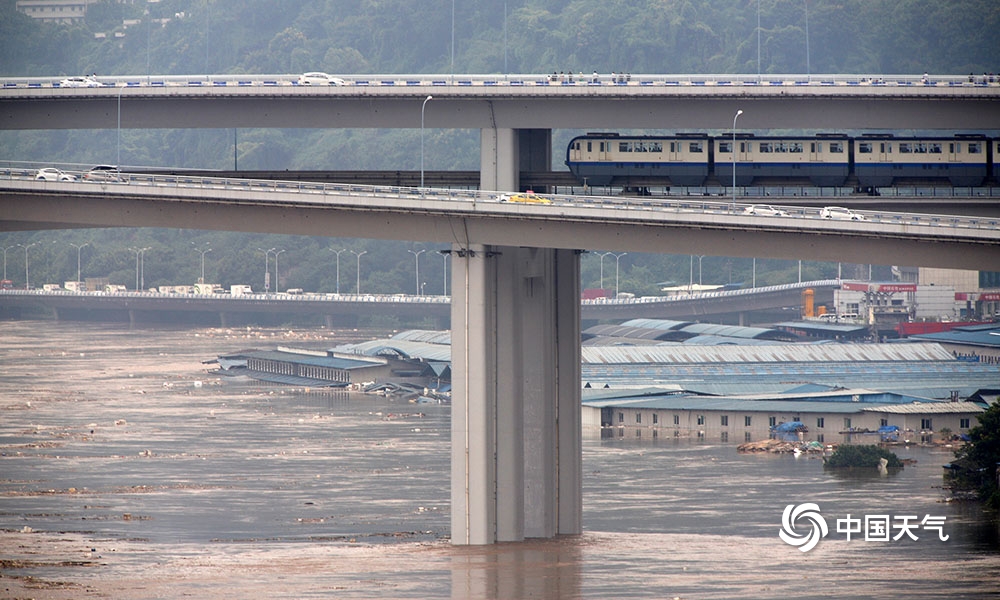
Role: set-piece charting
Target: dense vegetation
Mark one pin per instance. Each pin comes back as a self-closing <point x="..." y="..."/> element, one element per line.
<point x="848" y="456"/>
<point x="975" y="465"/>
<point x="407" y="36"/>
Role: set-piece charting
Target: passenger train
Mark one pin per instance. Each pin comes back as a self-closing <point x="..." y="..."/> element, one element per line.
<point x="868" y="161"/>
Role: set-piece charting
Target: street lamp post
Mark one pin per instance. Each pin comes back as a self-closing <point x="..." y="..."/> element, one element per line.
<point x="444" y="255"/>
<point x="416" y="259"/>
<point x="737" y="116"/>
<point x="140" y="275"/>
<point x="142" y="267"/>
<point x="422" y="107"/>
<point x="617" y="258"/>
<point x="276" y="280"/>
<point x="78" y="247"/>
<point x="602" y="255"/>
<point x="267" y="278"/>
<point x="337" y="252"/>
<point x="359" y="254"/>
<point x="808" y="67"/>
<point x="203" y="253"/>
<point x="5" y="259"/>
<point x="26" y="246"/>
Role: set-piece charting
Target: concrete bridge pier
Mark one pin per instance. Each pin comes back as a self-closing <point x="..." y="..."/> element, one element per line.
<point x="516" y="462"/>
<point x="515" y="422"/>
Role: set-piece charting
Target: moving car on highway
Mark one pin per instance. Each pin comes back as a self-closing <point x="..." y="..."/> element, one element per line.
<point x="51" y="174"/>
<point x="764" y="210"/>
<point x="80" y="82"/>
<point x="839" y="212"/>
<point x="319" y="78"/>
<point x="528" y="197"/>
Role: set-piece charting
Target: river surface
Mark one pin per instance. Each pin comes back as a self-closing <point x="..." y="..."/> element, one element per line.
<point x="128" y="471"/>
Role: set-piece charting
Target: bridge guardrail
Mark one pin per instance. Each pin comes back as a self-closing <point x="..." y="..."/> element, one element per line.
<point x="562" y="80"/>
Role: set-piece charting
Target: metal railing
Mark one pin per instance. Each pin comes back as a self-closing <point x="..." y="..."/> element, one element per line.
<point x="516" y="80"/>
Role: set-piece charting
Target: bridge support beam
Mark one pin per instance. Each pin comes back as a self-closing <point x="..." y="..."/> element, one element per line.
<point x="516" y="469"/>
<point x="504" y="153"/>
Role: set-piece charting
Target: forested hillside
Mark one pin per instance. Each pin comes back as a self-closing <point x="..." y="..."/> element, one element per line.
<point x="429" y="36"/>
<point x="517" y="36"/>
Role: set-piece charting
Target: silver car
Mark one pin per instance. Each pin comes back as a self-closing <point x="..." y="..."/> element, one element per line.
<point x="103" y="173"/>
<point x="839" y="212"/>
<point x="318" y="78"/>
<point x="764" y="210"/>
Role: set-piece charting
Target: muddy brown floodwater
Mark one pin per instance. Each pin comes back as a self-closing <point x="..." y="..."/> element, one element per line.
<point x="127" y="471"/>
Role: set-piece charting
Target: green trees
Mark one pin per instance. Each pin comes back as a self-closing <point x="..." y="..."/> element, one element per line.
<point x="976" y="463"/>
<point x="861" y="457"/>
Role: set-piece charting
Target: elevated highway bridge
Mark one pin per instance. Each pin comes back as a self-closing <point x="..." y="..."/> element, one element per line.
<point x="515" y="312"/>
<point x="225" y="310"/>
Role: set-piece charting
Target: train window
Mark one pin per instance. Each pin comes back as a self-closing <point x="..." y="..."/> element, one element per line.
<point x="815" y="147"/>
<point x="656" y="146"/>
<point x="865" y="147"/>
<point x="796" y="147"/>
<point x="765" y="147"/>
<point x="974" y="148"/>
<point x="837" y="147"/>
<point x="624" y="147"/>
<point x="725" y="147"/>
<point x="935" y="148"/>
<point x="695" y="147"/>
<point x="589" y="147"/>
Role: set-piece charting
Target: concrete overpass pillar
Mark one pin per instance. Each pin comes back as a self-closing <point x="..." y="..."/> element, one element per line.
<point x="504" y="153"/>
<point x="516" y="428"/>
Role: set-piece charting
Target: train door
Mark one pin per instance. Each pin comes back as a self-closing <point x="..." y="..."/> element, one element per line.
<point x="954" y="151"/>
<point x="743" y="147"/>
<point x="602" y="150"/>
<point x="815" y="151"/>
<point x="673" y="151"/>
<point x="884" y="150"/>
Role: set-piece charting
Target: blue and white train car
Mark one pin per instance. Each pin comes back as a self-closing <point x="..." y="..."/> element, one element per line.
<point x="882" y="160"/>
<point x="995" y="159"/>
<point x="606" y="158"/>
<point x="823" y="160"/>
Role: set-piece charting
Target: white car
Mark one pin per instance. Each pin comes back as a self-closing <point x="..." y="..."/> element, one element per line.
<point x="318" y="78"/>
<point x="839" y="212"/>
<point x="80" y="82"/>
<point x="764" y="210"/>
<point x="50" y="174"/>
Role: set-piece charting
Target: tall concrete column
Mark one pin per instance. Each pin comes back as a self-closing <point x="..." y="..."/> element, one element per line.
<point x="515" y="341"/>
<point x="498" y="160"/>
<point x="516" y="428"/>
<point x="505" y="153"/>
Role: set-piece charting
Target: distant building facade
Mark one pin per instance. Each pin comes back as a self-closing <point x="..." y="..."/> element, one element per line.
<point x="829" y="420"/>
<point x="58" y="11"/>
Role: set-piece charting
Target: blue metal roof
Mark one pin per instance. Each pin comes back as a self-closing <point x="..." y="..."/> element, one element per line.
<point x="987" y="335"/>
